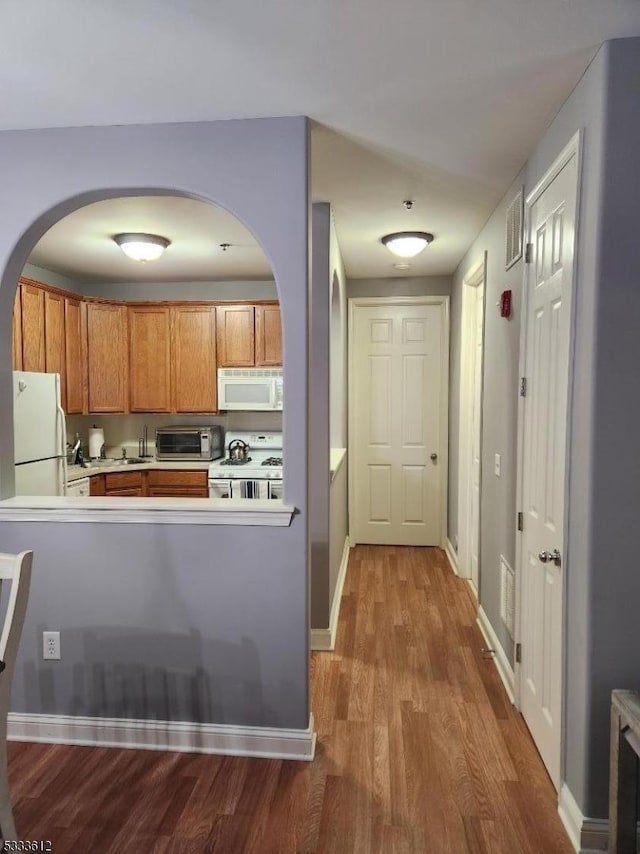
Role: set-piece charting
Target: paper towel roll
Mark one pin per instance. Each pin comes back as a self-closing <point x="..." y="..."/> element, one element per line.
<point x="96" y="441"/>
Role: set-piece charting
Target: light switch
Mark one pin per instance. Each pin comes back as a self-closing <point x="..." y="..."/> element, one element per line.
<point x="496" y="465"/>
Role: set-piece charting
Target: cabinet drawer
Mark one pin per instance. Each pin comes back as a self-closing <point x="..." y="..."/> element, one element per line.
<point x="129" y="491"/>
<point x="178" y="492"/>
<point x="179" y="478"/>
<point x="124" y="480"/>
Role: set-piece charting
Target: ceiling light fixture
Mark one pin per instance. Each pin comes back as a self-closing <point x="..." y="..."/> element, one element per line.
<point x="406" y="244"/>
<point x="142" y="247"/>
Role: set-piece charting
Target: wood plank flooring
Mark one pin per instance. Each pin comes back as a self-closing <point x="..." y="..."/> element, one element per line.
<point x="419" y="751"/>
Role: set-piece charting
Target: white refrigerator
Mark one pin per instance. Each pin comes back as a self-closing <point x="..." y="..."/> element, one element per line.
<point x="39" y="434"/>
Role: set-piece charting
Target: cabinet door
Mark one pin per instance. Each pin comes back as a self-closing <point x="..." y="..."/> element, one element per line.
<point x="150" y="359"/>
<point x="268" y="335"/>
<point x="74" y="361"/>
<point x="17" y="331"/>
<point x="32" y="311"/>
<point x="54" y="339"/>
<point x="236" y="336"/>
<point x="194" y="359"/>
<point x="107" y="357"/>
<point x="97" y="485"/>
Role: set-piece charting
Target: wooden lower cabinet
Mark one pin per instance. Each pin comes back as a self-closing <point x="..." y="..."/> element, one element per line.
<point x="154" y="484"/>
<point x="97" y="485"/>
<point x="178" y="484"/>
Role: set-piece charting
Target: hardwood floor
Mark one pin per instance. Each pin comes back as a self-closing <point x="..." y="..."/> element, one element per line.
<point x="419" y="750"/>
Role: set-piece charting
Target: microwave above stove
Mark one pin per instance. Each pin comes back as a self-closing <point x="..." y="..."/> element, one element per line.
<point x="250" y="388"/>
<point x="189" y="443"/>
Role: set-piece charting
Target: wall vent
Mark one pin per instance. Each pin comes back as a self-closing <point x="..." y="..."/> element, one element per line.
<point x="513" y="240"/>
<point x="507" y="590"/>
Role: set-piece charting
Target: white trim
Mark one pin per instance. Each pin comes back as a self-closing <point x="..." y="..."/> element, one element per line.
<point x="148" y="511"/>
<point x="476" y="277"/>
<point x="570" y="815"/>
<point x="443" y="450"/>
<point x="573" y="149"/>
<point x="587" y="835"/>
<point x="325" y="639"/>
<point x="503" y="666"/>
<point x="181" y="736"/>
<point x="451" y="554"/>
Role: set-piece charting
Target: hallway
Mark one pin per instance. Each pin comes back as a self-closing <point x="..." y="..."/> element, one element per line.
<point x="419" y="750"/>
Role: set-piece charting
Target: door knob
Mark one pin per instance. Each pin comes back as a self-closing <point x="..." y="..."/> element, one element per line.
<point x="550" y="557"/>
<point x="434" y="457"/>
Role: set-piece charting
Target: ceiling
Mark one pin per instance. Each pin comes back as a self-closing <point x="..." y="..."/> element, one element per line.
<point x="440" y="101"/>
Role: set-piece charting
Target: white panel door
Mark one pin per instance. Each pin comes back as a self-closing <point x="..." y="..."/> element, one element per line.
<point x="396" y="392"/>
<point x="551" y="232"/>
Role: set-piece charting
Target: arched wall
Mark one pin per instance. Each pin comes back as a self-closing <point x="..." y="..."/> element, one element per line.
<point x="237" y="596"/>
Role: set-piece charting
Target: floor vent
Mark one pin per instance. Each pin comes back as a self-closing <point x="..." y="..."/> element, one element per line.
<point x="507" y="604"/>
<point x="514" y="230"/>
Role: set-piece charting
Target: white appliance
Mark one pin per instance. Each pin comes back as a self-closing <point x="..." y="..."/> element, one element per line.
<point x="258" y="476"/>
<point x="250" y="388"/>
<point x="39" y="434"/>
<point x="80" y="488"/>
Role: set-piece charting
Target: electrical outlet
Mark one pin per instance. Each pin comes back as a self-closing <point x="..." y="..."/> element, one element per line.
<point x="51" y="645"/>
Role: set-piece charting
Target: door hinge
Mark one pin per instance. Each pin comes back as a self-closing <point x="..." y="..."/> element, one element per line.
<point x="523" y="386"/>
<point x="528" y="253"/>
<point x="518" y="653"/>
<point x="520" y="521"/>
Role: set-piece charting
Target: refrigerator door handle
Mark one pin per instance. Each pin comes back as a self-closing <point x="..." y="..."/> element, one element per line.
<point x="63" y="450"/>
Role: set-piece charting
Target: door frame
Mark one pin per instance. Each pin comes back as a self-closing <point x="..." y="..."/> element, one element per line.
<point x="443" y="450"/>
<point x="573" y="148"/>
<point x="475" y="277"/>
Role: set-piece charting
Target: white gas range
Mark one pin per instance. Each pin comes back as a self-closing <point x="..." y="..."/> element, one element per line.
<point x="257" y="476"/>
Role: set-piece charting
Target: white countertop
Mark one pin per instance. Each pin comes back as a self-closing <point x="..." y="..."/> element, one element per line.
<point x="78" y="472"/>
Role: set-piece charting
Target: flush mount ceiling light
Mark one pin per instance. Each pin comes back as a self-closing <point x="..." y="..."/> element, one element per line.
<point x="406" y="244"/>
<point x="142" y="247"/>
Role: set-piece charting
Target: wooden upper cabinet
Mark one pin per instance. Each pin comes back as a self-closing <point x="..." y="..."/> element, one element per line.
<point x="236" y="336"/>
<point x="194" y="358"/>
<point x="107" y="357"/>
<point x="268" y="335"/>
<point x="17" y="331"/>
<point x="150" y="358"/>
<point x="32" y="314"/>
<point x="74" y="357"/>
<point x="54" y="339"/>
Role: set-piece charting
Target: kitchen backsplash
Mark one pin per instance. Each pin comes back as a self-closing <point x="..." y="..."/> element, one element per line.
<point x="123" y="431"/>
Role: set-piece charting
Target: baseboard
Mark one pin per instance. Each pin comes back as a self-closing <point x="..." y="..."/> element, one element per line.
<point x="451" y="554"/>
<point x="587" y="835"/>
<point x="324" y="640"/>
<point x="181" y="736"/>
<point x="500" y="659"/>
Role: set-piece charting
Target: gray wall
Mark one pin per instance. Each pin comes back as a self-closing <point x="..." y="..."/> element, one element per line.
<point x="319" y="415"/>
<point x="602" y="630"/>
<point x="403" y="286"/>
<point x="48" y="277"/>
<point x="327" y="382"/>
<point x="180" y="290"/>
<point x="207" y="623"/>
<point x="499" y="412"/>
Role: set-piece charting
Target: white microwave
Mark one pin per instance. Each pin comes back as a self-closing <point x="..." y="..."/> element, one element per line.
<point x="250" y="388"/>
